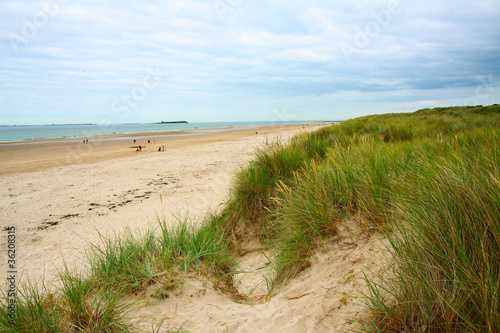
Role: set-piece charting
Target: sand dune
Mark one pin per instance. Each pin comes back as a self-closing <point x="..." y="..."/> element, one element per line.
<point x="323" y="298"/>
<point x="62" y="195"/>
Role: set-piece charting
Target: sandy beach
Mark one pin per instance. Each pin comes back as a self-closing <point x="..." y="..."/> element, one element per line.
<point x="62" y="195"/>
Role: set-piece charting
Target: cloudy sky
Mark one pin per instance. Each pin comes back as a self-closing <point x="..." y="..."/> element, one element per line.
<point x="71" y="61"/>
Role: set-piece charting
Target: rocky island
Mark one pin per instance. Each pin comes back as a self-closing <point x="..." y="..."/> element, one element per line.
<point x="172" y="122"/>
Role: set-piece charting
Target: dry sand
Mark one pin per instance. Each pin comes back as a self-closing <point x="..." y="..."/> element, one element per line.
<point x="61" y="195"/>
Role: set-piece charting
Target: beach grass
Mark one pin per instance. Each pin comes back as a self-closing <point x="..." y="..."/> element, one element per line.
<point x="75" y="307"/>
<point x="120" y="267"/>
<point x="446" y="260"/>
<point x="428" y="180"/>
<point x="35" y="311"/>
<point x="133" y="261"/>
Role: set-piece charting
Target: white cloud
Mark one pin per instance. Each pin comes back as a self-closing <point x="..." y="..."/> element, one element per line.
<point x="273" y="40"/>
<point x="186" y="24"/>
<point x="301" y="55"/>
<point x="260" y="55"/>
<point x="180" y="39"/>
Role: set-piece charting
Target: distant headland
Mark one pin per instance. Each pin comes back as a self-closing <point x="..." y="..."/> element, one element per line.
<point x="172" y="122"/>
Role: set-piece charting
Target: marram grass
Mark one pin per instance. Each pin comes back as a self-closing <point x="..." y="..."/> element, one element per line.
<point x="120" y="267"/>
<point x="430" y="180"/>
<point x="446" y="265"/>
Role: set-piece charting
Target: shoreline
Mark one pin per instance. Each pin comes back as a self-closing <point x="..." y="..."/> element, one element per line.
<point x="43" y="154"/>
<point x="166" y="132"/>
<point x="106" y="137"/>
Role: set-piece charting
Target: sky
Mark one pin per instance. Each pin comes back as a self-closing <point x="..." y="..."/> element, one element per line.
<point x="110" y="61"/>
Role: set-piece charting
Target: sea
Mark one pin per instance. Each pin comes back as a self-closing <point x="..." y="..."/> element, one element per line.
<point x="16" y="133"/>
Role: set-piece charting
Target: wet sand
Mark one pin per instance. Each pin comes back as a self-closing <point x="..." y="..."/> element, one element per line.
<point x="26" y="156"/>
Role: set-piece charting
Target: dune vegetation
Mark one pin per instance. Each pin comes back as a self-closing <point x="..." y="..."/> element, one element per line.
<point x="429" y="180"/>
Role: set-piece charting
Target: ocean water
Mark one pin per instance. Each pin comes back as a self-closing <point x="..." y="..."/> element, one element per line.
<point x="34" y="132"/>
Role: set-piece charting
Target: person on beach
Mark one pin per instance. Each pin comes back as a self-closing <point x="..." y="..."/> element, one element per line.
<point x="140" y="148"/>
